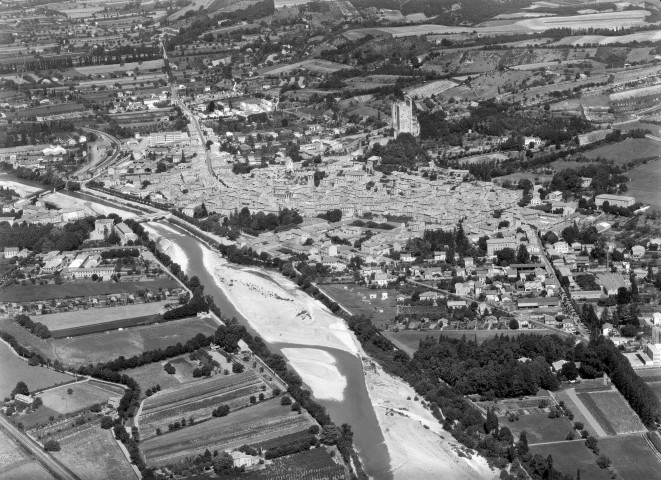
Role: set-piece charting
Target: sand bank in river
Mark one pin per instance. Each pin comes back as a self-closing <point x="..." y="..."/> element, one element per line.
<point x="318" y="371"/>
<point x="415" y="451"/>
<point x="170" y="248"/>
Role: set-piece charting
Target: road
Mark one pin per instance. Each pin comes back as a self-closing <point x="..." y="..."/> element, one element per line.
<point x="52" y="465"/>
<point x="101" y="165"/>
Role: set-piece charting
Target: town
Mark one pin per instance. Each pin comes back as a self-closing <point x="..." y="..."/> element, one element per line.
<point x="342" y="239"/>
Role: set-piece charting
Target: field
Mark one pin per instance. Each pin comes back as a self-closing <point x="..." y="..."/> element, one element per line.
<point x="628" y="150"/>
<point x="539" y="428"/>
<point x="315" y="65"/>
<point x="568" y="457"/>
<point x="17" y="465"/>
<point x="197" y="399"/>
<point x="150" y="375"/>
<point x="632" y="457"/>
<point x="613" y="409"/>
<point x="94" y="454"/>
<point x="250" y="425"/>
<point x="81" y="322"/>
<point x="102" y="347"/>
<point x="644" y="184"/>
<point x="410" y="339"/>
<point x="649" y="36"/>
<point x="356" y="299"/>
<point x="85" y="394"/>
<point x="106" y="69"/>
<point x="15" y="369"/>
<point x="31" y="293"/>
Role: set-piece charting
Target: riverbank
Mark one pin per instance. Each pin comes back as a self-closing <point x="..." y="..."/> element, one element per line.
<point x="417" y="444"/>
<point x="63" y="200"/>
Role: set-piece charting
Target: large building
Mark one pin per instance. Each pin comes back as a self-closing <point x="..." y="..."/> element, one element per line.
<point x="160" y="139"/>
<point x="614" y="200"/>
<point x="495" y="245"/>
<point x="403" y="120"/>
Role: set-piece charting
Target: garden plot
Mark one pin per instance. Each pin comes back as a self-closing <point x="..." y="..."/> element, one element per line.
<point x="250" y="425"/>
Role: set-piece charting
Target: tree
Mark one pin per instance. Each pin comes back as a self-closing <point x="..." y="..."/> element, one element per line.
<point x="603" y="461"/>
<point x="514" y="324"/>
<point x="569" y="371"/>
<point x="591" y="443"/>
<point x="223" y="463"/>
<point x="52" y="446"/>
<point x="285" y="400"/>
<point x="522" y="255"/>
<point x="330" y="434"/>
<point x="523" y="443"/>
<point x="106" y="422"/>
<point x="506" y="256"/>
<point x="21" y="388"/>
<point x="491" y="423"/>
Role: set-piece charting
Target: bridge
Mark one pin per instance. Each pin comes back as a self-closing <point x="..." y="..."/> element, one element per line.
<point x="152" y="217"/>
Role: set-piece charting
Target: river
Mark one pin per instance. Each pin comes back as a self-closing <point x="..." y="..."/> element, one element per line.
<point x="356" y="407"/>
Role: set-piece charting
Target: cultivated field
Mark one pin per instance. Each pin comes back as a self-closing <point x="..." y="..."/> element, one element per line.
<point x="355" y="298"/>
<point x="307" y="465"/>
<point x="81" y="322"/>
<point x="13" y="369"/>
<point x="85" y="394"/>
<point x="539" y="428"/>
<point x="644" y="184"/>
<point x="610" y="20"/>
<point x="197" y="399"/>
<point x="632" y="457"/>
<point x="250" y="425"/>
<point x="31" y="293"/>
<point x="130" y="66"/>
<point x="150" y="375"/>
<point x="94" y="454"/>
<point x="314" y="65"/>
<point x="649" y="36"/>
<point x="612" y="412"/>
<point x="568" y="457"/>
<point x="628" y="150"/>
<point x="15" y="464"/>
<point x="102" y="347"/>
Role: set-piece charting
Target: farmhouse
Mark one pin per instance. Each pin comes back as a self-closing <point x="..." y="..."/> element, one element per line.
<point x="244" y="460"/>
<point x="27" y="399"/>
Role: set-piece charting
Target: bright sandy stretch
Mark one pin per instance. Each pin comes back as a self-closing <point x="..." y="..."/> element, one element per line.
<point x="22" y="190"/>
<point x="167" y="246"/>
<point x="277" y="309"/>
<point x="415" y="451"/>
<point x="91" y="208"/>
<point x="318" y="371"/>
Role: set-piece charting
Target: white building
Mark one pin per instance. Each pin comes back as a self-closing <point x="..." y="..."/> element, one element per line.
<point x="403" y="120"/>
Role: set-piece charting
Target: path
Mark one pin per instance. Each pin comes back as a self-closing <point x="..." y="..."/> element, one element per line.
<point x="52" y="465"/>
<point x="599" y="432"/>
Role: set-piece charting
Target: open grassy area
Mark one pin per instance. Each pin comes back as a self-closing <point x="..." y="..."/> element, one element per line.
<point x="645" y="181"/>
<point x="15" y="464"/>
<point x="568" y="457"/>
<point x="150" y="375"/>
<point x="13" y="369"/>
<point x="409" y="340"/>
<point x="94" y="454"/>
<point x="81" y="322"/>
<point x="632" y="457"/>
<point x="31" y="293"/>
<point x="85" y="394"/>
<point x="539" y="428"/>
<point x="254" y="424"/>
<point x="102" y="347"/>
<point x="356" y="299"/>
<point x="626" y="151"/>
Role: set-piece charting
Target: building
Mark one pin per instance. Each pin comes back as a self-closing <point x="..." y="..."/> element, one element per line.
<point x="103" y="226"/>
<point x="614" y="200"/>
<point x="125" y="234"/>
<point x="403" y="120"/>
<point x="159" y="139"/>
<point x="495" y="245"/>
<point x="244" y="460"/>
<point x="27" y="399"/>
<point x="540" y="302"/>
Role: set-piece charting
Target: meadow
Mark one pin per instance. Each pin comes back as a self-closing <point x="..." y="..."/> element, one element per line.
<point x="568" y="457"/>
<point x="632" y="457"/>
<point x="102" y="347"/>
<point x="254" y="424"/>
<point x="645" y="182"/>
<point x="14" y="369"/>
<point x="16" y="465"/>
<point x="82" y="322"/>
<point x="626" y="151"/>
<point x="85" y="394"/>
<point x="94" y="454"/>
<point x="540" y="428"/>
<point x="355" y="298"/>
<point x="31" y="293"/>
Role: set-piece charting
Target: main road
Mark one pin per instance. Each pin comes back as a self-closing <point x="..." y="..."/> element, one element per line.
<point x="52" y="465"/>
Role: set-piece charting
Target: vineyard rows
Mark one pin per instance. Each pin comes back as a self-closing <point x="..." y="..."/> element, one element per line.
<point x="204" y="388"/>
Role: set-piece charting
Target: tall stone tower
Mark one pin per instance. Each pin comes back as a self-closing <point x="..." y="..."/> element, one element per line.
<point x="403" y="120"/>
